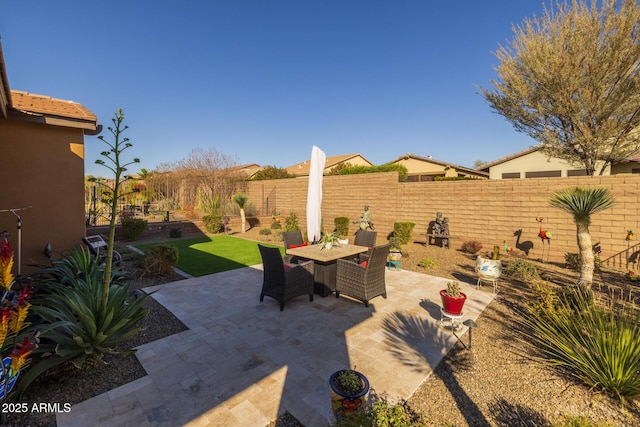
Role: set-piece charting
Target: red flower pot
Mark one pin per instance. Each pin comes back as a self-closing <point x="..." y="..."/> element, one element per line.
<point x="452" y="305"/>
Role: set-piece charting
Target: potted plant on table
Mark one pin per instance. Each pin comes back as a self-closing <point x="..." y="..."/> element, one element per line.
<point x="329" y="240"/>
<point x="452" y="299"/>
<point x="349" y="389"/>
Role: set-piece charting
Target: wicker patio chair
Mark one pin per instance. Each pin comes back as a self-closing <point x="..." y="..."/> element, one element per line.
<point x="365" y="238"/>
<point x="292" y="238"/>
<point x="363" y="282"/>
<point x="284" y="282"/>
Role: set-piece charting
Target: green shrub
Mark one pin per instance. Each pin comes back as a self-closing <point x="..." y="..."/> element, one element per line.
<point x="427" y="263"/>
<point x="402" y="230"/>
<point x="265" y="232"/>
<point x="453" y="178"/>
<point x="395" y="244"/>
<point x="342" y="226"/>
<point x="522" y="270"/>
<point x="132" y="228"/>
<point x="276" y="226"/>
<point x="382" y="413"/>
<point x="160" y="259"/>
<point x="175" y="232"/>
<point x="471" y="247"/>
<point x="544" y="301"/>
<point x="573" y="262"/>
<point x="291" y="222"/>
<point x="402" y="170"/>
<point x="213" y="223"/>
<point x="595" y="344"/>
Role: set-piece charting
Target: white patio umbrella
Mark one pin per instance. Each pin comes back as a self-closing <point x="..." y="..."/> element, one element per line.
<point x="314" y="194"/>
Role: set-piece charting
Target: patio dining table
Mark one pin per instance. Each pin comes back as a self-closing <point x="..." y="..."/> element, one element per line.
<point x="325" y="263"/>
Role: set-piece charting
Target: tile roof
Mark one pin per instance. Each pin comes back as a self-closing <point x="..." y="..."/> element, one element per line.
<point x="439" y="162"/>
<point x="302" y="169"/>
<point x="46" y="105"/>
<point x="632" y="158"/>
<point x="487" y="165"/>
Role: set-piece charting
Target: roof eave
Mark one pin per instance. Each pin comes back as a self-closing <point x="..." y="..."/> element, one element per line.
<point x="5" y="92"/>
<point x="89" y="126"/>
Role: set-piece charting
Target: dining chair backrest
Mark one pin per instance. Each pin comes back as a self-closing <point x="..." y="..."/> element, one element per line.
<point x="292" y="238"/>
<point x="273" y="264"/>
<point x="378" y="259"/>
<point x="366" y="238"/>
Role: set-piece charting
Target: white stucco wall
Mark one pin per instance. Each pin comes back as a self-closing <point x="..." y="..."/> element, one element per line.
<point x="532" y="162"/>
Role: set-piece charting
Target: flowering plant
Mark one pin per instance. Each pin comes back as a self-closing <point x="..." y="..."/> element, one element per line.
<point x="14" y="307"/>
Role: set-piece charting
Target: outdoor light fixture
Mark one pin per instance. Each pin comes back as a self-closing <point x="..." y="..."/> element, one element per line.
<point x="469" y="323"/>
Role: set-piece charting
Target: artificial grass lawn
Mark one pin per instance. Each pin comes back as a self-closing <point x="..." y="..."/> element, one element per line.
<point x="207" y="255"/>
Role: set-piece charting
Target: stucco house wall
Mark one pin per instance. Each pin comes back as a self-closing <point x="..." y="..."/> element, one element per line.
<point x="532" y="163"/>
<point x="42" y="169"/>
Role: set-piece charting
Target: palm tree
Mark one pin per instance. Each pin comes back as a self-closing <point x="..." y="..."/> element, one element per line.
<point x="582" y="202"/>
<point x="240" y="199"/>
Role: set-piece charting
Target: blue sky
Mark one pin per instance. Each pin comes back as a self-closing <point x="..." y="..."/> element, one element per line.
<point x="264" y="81"/>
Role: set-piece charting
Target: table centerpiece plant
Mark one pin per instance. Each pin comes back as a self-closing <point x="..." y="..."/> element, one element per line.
<point x="329" y="240"/>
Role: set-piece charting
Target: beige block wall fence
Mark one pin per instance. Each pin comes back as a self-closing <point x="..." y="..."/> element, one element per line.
<point x="489" y="211"/>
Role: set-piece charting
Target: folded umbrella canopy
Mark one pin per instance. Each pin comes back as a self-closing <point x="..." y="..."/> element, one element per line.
<point x="314" y="194"/>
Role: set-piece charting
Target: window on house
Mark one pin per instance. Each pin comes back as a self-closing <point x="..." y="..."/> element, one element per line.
<point x="635" y="170"/>
<point x="511" y="175"/>
<point x="577" y="172"/>
<point x="543" y="174"/>
<point x="426" y="178"/>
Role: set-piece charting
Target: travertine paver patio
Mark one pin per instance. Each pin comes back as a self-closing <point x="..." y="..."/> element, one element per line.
<point x="243" y="362"/>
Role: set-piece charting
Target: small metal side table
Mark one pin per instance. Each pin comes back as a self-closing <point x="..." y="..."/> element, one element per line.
<point x="493" y="281"/>
<point x="452" y="319"/>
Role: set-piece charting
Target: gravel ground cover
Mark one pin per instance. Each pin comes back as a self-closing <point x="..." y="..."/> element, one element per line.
<point x="494" y="384"/>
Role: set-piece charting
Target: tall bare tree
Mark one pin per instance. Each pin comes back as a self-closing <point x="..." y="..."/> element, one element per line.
<point x="212" y="173"/>
<point x="571" y="80"/>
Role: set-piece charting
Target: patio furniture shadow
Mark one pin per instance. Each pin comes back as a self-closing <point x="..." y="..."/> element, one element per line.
<point x="238" y="349"/>
<point x="411" y="338"/>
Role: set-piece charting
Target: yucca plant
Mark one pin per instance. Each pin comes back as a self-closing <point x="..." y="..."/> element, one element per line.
<point x="581" y="203"/>
<point x="594" y="343"/>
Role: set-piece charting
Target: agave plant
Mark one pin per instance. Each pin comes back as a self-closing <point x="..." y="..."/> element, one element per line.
<point x="78" y="326"/>
<point x="77" y="264"/>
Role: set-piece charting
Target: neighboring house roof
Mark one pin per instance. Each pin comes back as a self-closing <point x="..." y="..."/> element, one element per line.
<point x="444" y="164"/>
<point x="486" y="166"/>
<point x="302" y="169"/>
<point x="249" y="169"/>
<point x="635" y="158"/>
